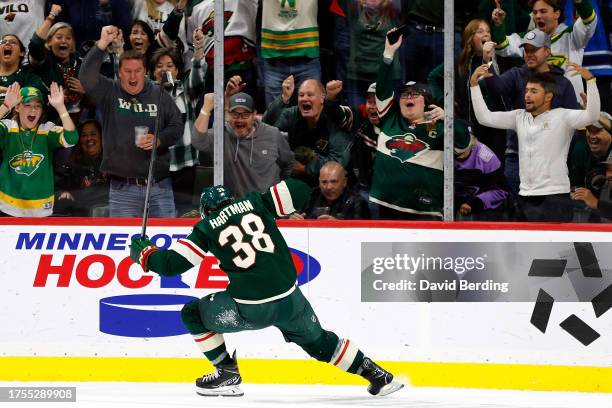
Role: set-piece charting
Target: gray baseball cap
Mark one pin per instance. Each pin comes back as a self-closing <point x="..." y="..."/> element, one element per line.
<point x="372" y="88"/>
<point x="241" y="100"/>
<point x="537" y="38"/>
<point x="599" y="124"/>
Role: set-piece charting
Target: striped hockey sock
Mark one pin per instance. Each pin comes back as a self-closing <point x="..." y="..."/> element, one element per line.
<point x="347" y="356"/>
<point x="213" y="346"/>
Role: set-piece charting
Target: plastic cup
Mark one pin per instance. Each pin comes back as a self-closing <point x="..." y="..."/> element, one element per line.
<point x="318" y="211"/>
<point x="139" y="134"/>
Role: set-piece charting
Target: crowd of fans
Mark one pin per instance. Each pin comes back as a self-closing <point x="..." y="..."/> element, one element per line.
<point x="346" y="95"/>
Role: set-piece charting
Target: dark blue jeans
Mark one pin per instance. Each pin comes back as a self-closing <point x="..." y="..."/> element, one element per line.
<point x="511" y="171"/>
<point x="277" y="70"/>
<point x="127" y="200"/>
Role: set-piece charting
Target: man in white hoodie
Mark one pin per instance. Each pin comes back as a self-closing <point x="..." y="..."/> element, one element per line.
<point x="544" y="137"/>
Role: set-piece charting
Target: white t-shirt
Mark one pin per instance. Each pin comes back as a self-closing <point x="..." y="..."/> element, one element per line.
<point x="22" y="18"/>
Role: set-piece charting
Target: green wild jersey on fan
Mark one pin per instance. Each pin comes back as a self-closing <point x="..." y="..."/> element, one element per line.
<point x="26" y="167"/>
<point x="244" y="237"/>
<point x="408" y="169"/>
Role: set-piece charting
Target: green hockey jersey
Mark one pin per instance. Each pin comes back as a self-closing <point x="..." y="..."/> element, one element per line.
<point x="244" y="237"/>
<point x="408" y="168"/>
<point x="26" y="172"/>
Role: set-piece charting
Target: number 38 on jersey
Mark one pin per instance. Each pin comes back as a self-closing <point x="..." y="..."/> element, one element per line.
<point x="246" y="251"/>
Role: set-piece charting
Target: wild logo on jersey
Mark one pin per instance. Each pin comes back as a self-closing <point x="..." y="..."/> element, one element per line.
<point x="557" y="60"/>
<point x="208" y="26"/>
<point x="26" y="163"/>
<point x="135" y="108"/>
<point x="288" y="9"/>
<point x="11" y="9"/>
<point x="405" y="147"/>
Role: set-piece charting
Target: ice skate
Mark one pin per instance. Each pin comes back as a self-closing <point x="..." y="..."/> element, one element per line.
<point x="223" y="381"/>
<point x="381" y="381"/>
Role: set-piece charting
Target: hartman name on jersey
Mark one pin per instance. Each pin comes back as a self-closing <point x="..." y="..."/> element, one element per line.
<point x="240" y="207"/>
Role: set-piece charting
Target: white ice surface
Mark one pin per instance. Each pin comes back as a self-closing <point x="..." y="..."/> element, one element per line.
<point x="152" y="395"/>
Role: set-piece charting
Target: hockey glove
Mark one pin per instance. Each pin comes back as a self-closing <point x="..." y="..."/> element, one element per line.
<point x="140" y="251"/>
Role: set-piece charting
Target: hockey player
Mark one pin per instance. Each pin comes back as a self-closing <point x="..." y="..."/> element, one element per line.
<point x="262" y="292"/>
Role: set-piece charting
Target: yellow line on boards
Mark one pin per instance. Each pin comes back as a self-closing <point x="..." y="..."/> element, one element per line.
<point x="462" y="375"/>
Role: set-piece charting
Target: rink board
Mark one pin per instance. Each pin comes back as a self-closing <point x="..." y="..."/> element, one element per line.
<point x="66" y="289"/>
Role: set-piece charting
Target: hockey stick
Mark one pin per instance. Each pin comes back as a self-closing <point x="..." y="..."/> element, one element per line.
<point x="166" y="82"/>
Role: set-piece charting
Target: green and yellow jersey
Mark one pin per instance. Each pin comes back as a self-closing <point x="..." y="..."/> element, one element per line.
<point x="26" y="172"/>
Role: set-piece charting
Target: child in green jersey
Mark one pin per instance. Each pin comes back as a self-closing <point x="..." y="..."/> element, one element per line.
<point x="27" y="145"/>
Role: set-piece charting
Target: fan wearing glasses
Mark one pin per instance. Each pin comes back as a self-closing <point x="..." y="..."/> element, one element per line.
<point x="255" y="155"/>
<point x="408" y="178"/>
<point x="12" y="53"/>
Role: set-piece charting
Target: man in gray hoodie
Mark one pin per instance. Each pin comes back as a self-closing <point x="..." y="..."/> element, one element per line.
<point x="255" y="155"/>
<point x="126" y="103"/>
